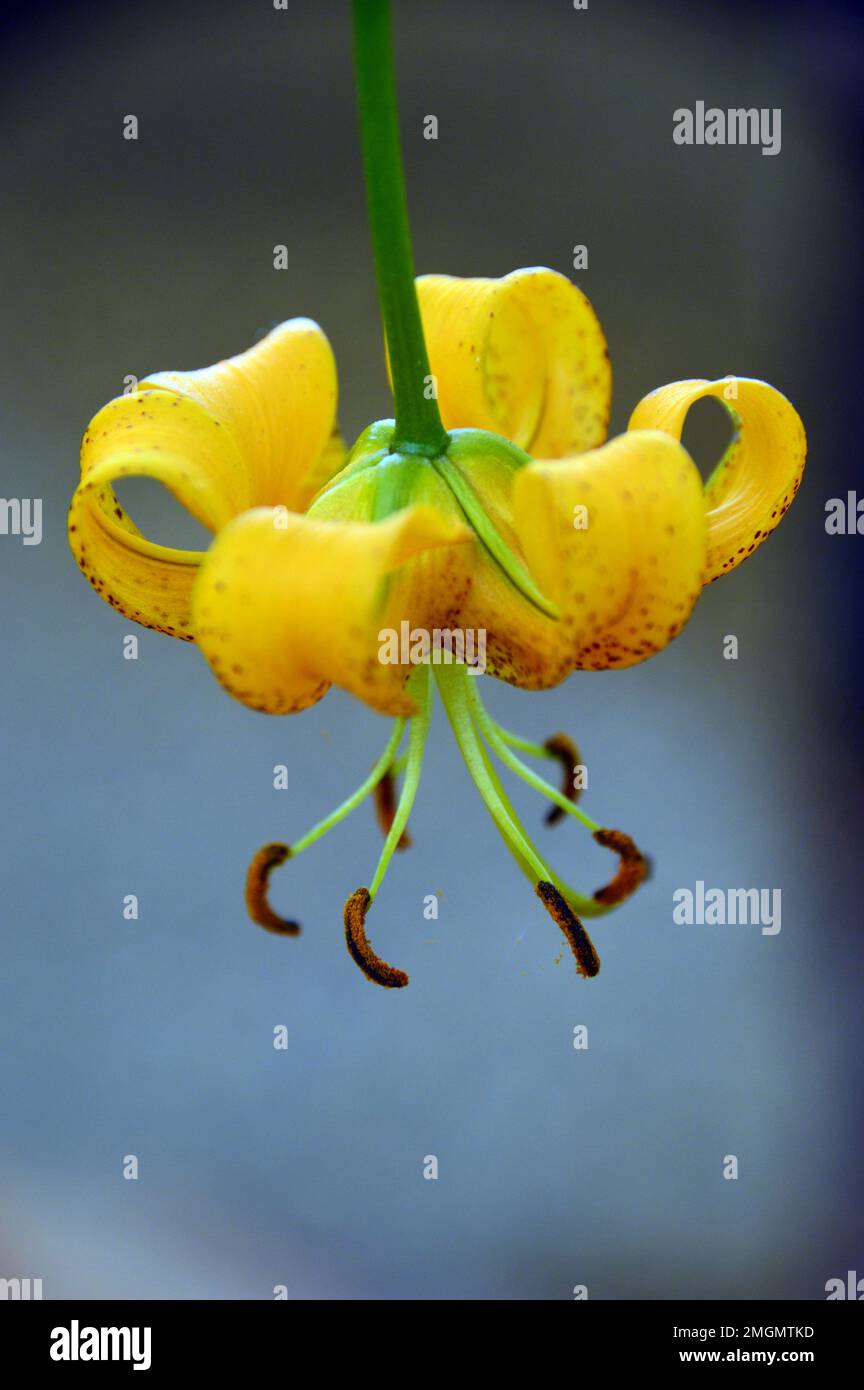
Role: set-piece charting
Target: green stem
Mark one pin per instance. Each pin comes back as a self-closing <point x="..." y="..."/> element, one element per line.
<point x="418" y="420"/>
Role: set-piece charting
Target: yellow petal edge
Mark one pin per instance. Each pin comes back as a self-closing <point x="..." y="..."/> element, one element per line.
<point x="256" y="429"/>
<point x="286" y="605"/>
<point x="753" y="485"/>
<point x="616" y="537"/>
<point x="523" y="356"/>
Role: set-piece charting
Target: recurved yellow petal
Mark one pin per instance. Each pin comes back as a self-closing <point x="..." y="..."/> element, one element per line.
<point x="523" y="356"/>
<point x="616" y="537"/>
<point x="278" y="402"/>
<point x="285" y="605"/>
<point x="754" y="483"/>
<point x="161" y="435"/>
<point x="256" y="429"/>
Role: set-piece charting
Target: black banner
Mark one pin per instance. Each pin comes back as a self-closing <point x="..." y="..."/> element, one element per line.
<point x="82" y="1338"/>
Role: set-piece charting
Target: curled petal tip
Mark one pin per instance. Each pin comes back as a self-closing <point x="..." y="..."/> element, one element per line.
<point x="373" y="967"/>
<point x="269" y="857"/>
<point x="756" y="480"/>
<point x="633" y="867"/>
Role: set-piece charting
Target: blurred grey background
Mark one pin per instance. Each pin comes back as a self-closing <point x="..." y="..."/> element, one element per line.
<point x="304" y="1167"/>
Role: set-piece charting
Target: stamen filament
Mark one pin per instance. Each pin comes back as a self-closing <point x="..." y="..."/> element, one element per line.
<point x="378" y="771"/>
<point x="498" y="745"/>
<point x="419" y="685"/>
<point x="560" y="749"/>
<point x="462" y="694"/>
<point x="271" y="856"/>
<point x="458" y="698"/>
<point x="535" y="750"/>
<point x="452" y="685"/>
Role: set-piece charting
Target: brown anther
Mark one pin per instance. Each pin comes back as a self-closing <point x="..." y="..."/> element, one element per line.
<point x="633" y="867"/>
<point x="587" y="959"/>
<point x="567" y="754"/>
<point x="373" y="967"/>
<point x="269" y="857"/>
<point x="385" y="808"/>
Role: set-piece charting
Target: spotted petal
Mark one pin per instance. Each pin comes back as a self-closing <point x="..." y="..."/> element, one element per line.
<point x="754" y="483"/>
<point x="523" y="356"/>
<point x="285" y="605"/>
<point x="616" y="538"/>
<point x="258" y="428"/>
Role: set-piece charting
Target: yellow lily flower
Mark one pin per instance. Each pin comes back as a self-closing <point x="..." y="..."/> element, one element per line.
<point x="588" y="557"/>
<point x="486" y="527"/>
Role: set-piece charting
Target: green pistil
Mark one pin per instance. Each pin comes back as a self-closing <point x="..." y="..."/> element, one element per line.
<point x="418" y="420"/>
